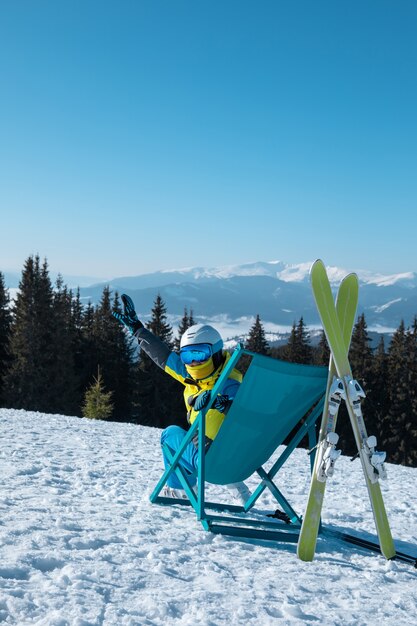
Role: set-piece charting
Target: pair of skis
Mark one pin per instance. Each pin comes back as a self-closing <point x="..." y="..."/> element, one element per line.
<point x="338" y="321"/>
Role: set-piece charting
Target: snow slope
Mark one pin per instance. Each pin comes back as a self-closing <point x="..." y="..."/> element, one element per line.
<point x="80" y="544"/>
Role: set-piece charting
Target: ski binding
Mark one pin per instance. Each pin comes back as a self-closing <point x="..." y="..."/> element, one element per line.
<point x="330" y="456"/>
<point x="355" y="393"/>
<point x="374" y="460"/>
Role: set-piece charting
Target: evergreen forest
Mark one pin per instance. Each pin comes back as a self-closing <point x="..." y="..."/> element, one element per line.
<point x="59" y="355"/>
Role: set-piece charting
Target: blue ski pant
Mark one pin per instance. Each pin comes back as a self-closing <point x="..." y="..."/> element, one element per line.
<point x="172" y="438"/>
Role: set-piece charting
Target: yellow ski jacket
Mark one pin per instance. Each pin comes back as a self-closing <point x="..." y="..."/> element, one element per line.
<point x="172" y="364"/>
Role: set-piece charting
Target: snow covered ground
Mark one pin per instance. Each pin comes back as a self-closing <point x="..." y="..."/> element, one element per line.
<point x="80" y="543"/>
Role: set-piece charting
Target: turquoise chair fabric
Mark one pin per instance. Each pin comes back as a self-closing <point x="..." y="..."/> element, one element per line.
<point x="269" y="406"/>
<point x="271" y="400"/>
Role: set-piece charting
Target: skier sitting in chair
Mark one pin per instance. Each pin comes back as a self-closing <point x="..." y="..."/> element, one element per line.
<point x="198" y="366"/>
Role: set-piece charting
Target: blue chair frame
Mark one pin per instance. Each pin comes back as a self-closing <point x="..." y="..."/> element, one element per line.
<point x="232" y="519"/>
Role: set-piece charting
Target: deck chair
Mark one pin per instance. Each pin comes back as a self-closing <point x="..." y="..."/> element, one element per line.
<point x="276" y="402"/>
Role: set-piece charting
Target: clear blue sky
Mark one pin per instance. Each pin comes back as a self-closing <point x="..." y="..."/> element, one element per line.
<point x="145" y="135"/>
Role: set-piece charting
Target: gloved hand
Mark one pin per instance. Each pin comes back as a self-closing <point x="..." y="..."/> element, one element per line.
<point x="221" y="403"/>
<point x="200" y="401"/>
<point x="128" y="317"/>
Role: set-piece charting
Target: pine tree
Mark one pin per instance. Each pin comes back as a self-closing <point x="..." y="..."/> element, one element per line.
<point x="380" y="392"/>
<point x="97" y="401"/>
<point x="303" y="338"/>
<point x="186" y="322"/>
<point x="397" y="421"/>
<point x="114" y="354"/>
<point x="5" y="324"/>
<point x="298" y="348"/>
<point x="256" y="341"/>
<point x="87" y="347"/>
<point x="361" y="361"/>
<point x="322" y="352"/>
<point x="83" y="368"/>
<point x="31" y="345"/>
<point x="360" y="353"/>
<point x="290" y="351"/>
<point x="63" y="379"/>
<point x="411" y="434"/>
<point x="158" y="324"/>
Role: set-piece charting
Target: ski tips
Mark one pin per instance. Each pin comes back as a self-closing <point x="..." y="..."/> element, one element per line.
<point x="351" y="275"/>
<point x="319" y="264"/>
<point x="316" y="262"/>
<point x="351" y="280"/>
<point x="314" y="266"/>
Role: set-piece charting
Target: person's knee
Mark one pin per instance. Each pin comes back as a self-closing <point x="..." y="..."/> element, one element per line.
<point x="172" y="432"/>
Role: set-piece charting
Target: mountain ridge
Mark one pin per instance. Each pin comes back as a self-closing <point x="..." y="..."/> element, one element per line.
<point x="280" y="293"/>
<point x="232" y="295"/>
<point x="287" y="272"/>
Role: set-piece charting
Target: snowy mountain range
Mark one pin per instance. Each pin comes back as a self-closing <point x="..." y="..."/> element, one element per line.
<point x="280" y="293"/>
<point x="231" y="296"/>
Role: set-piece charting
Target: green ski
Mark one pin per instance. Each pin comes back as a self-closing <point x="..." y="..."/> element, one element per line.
<point x="326" y="453"/>
<point x="372" y="461"/>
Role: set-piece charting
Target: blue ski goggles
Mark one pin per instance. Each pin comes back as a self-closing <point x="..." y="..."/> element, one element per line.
<point x="197" y="353"/>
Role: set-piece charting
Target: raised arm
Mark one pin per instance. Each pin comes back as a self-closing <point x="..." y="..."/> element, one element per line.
<point x="152" y="345"/>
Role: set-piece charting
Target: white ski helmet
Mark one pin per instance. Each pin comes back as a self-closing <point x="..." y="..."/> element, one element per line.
<point x="202" y="333"/>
